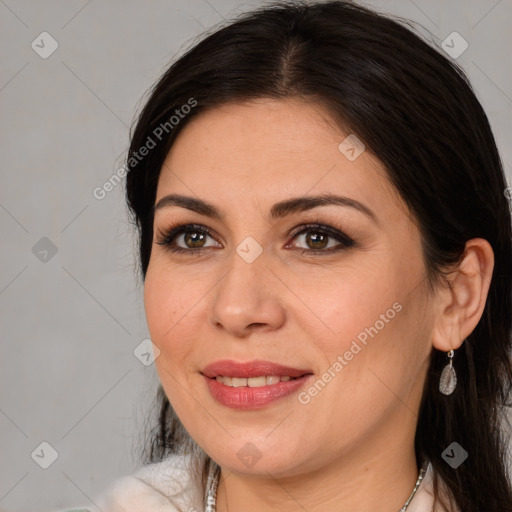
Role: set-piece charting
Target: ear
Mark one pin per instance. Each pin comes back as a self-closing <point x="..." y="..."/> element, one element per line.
<point x="462" y="300"/>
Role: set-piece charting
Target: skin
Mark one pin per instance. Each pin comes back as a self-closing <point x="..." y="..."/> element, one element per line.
<point x="352" y="446"/>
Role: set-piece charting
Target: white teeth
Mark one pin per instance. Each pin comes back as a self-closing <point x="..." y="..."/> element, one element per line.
<point x="228" y="381"/>
<point x="252" y="382"/>
<point x="256" y="382"/>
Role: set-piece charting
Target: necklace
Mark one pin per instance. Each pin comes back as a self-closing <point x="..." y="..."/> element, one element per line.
<point x="213" y="482"/>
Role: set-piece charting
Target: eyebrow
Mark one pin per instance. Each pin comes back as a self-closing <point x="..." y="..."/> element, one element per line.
<point x="278" y="210"/>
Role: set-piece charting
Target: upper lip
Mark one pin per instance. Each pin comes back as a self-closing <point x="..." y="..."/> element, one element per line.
<point x="255" y="368"/>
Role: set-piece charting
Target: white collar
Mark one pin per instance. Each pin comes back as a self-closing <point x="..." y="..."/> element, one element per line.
<point x="167" y="486"/>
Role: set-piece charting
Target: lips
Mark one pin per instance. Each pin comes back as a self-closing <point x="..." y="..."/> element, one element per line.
<point x="256" y="368"/>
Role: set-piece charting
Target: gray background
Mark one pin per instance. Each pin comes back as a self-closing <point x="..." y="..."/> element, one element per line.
<point x="71" y="321"/>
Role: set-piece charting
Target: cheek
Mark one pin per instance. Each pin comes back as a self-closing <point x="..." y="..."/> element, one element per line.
<point x="168" y="305"/>
<point x="174" y="301"/>
<point x="352" y="306"/>
<point x="165" y="304"/>
<point x="375" y="319"/>
<point x="169" y="299"/>
<point x="158" y="300"/>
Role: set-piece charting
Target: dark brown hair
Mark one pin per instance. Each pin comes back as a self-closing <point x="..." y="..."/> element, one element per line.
<point x="415" y="110"/>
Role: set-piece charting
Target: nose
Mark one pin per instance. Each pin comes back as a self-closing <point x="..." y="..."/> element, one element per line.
<point x="247" y="298"/>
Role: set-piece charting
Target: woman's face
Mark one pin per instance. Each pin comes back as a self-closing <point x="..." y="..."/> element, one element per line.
<point x="343" y="306"/>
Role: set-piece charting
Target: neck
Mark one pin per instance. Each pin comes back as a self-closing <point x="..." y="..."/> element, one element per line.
<point x="364" y="481"/>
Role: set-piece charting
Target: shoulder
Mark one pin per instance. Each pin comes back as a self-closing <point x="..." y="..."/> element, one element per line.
<point x="164" y="486"/>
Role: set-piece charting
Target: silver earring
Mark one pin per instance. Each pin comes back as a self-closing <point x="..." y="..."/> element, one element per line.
<point x="448" y="380"/>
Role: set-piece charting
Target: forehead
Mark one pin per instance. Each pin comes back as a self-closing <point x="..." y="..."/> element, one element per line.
<point x="268" y="150"/>
<point x="289" y="130"/>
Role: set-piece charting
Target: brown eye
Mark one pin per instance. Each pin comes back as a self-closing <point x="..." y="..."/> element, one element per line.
<point x="322" y="239"/>
<point x="191" y="238"/>
<point x="194" y="239"/>
<point x="185" y="238"/>
<point x="317" y="240"/>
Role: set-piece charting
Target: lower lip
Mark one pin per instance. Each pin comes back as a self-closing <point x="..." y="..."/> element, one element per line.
<point x="253" y="398"/>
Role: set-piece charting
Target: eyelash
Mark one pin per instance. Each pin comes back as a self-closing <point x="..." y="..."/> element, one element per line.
<point x="166" y="237"/>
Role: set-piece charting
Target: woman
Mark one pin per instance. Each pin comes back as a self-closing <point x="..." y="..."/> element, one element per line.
<point x="326" y="248"/>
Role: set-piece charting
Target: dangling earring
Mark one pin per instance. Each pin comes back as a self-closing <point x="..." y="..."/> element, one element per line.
<point x="448" y="380"/>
